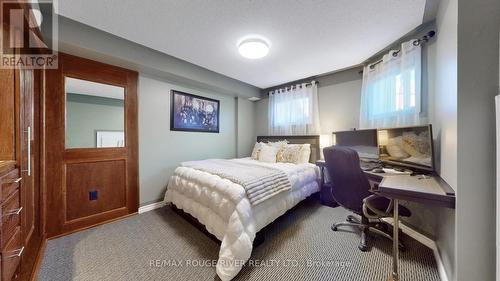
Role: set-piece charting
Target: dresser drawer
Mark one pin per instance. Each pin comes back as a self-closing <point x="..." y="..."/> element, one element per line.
<point x="11" y="214"/>
<point x="9" y="183"/>
<point x="11" y="256"/>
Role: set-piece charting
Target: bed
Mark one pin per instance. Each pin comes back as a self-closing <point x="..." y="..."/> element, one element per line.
<point x="224" y="208"/>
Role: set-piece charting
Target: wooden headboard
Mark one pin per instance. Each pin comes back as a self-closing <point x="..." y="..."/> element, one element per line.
<point x="313" y="140"/>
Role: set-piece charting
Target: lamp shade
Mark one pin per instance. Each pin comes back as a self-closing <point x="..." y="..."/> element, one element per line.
<point x="383" y="138"/>
<point x="324" y="141"/>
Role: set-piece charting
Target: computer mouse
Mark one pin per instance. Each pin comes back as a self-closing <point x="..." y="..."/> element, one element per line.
<point x="378" y="170"/>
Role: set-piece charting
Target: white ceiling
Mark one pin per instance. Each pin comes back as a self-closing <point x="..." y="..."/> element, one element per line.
<point x="308" y="37"/>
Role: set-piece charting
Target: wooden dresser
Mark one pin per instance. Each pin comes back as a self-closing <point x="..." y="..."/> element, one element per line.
<point x="21" y="228"/>
<point x="11" y="241"/>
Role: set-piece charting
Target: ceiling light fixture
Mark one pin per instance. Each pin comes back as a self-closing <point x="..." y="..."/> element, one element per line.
<point x="253" y="48"/>
<point x="253" y="98"/>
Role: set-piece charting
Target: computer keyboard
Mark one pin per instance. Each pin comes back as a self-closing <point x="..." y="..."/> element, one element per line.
<point x="368" y="166"/>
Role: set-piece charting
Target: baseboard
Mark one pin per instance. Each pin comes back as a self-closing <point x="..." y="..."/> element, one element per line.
<point x="425" y="241"/>
<point x="38" y="260"/>
<point x="89" y="226"/>
<point x="150" y="207"/>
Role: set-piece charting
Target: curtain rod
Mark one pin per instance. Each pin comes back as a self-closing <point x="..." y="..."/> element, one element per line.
<point x="294" y="86"/>
<point x="417" y="42"/>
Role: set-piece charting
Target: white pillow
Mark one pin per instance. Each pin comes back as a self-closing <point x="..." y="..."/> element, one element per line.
<point x="278" y="144"/>
<point x="268" y="154"/>
<point x="256" y="150"/>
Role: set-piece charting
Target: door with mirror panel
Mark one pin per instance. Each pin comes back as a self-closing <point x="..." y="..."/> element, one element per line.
<point x="95" y="114"/>
<point x="92" y="147"/>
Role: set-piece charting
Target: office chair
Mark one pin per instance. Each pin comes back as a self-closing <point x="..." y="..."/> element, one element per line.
<point x="350" y="188"/>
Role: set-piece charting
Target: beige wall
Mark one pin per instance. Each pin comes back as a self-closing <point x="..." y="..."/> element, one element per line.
<point x="246" y="133"/>
<point x="478" y="40"/>
<point x="339" y="97"/>
<point x="442" y="69"/>
<point x="162" y="150"/>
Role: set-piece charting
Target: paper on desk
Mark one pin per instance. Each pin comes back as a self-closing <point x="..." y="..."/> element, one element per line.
<point x="392" y="171"/>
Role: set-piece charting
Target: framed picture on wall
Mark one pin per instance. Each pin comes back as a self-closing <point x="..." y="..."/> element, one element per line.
<point x="193" y="113"/>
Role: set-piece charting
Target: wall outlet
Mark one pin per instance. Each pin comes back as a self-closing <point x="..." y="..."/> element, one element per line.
<point x="93" y="195"/>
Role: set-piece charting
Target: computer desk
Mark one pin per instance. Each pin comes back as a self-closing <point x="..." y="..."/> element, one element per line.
<point x="429" y="190"/>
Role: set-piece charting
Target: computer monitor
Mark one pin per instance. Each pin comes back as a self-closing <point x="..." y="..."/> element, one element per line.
<point x="410" y="147"/>
<point x="364" y="142"/>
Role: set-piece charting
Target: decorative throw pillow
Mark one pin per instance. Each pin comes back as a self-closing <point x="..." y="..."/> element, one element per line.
<point x="256" y="150"/>
<point x="294" y="153"/>
<point x="268" y="153"/>
<point x="305" y="153"/>
<point x="395" y="148"/>
<point x="289" y="153"/>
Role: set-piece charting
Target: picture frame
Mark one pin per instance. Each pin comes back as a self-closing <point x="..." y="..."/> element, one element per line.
<point x="107" y="139"/>
<point x="193" y="113"/>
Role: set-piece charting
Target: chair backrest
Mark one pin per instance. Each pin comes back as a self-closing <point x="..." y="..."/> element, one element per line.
<point x="349" y="183"/>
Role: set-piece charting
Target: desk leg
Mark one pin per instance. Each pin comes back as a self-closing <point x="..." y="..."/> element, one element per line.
<point x="395" y="243"/>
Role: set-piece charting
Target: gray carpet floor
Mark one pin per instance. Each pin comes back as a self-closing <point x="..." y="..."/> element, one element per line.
<point x="160" y="245"/>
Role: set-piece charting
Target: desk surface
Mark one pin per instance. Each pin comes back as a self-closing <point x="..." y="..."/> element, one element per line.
<point x="432" y="190"/>
<point x="429" y="190"/>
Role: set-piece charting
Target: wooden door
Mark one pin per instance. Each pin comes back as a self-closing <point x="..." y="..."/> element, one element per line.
<point x="27" y="154"/>
<point x="7" y="115"/>
<point x="28" y="136"/>
<point x="87" y="185"/>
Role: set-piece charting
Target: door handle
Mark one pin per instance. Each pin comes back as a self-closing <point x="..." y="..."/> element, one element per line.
<point x="28" y="133"/>
<point x="29" y="151"/>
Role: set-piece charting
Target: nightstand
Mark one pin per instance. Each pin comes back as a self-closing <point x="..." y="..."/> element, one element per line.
<point x="325" y="186"/>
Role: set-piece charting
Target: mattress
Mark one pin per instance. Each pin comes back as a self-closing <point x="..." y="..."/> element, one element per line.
<point x="222" y="206"/>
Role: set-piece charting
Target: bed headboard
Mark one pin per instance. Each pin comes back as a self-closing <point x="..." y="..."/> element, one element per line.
<point x="313" y="140"/>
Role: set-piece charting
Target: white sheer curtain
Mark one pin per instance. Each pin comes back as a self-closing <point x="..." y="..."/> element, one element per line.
<point x="391" y="91"/>
<point x="294" y="110"/>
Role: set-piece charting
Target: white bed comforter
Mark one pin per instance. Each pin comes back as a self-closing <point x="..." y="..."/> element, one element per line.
<point x="223" y="207"/>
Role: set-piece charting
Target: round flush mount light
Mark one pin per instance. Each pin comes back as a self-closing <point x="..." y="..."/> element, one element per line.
<point x="253" y="48"/>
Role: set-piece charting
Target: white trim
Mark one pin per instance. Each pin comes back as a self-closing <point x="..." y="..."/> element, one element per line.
<point x="427" y="242"/>
<point x="150" y="207"/>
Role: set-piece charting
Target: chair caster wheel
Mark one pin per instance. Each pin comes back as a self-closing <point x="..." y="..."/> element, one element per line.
<point x="334" y="227"/>
<point x="363" y="247"/>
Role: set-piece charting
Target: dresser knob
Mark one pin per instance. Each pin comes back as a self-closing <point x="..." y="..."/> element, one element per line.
<point x="13" y="212"/>
<point x="17" y="253"/>
<point x="12" y="180"/>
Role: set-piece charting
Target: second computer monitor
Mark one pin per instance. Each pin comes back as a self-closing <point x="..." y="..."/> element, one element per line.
<point x="364" y="142"/>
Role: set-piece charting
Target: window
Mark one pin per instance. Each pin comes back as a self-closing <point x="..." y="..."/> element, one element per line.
<point x="391" y="90"/>
<point x="283" y="109"/>
<point x="294" y="111"/>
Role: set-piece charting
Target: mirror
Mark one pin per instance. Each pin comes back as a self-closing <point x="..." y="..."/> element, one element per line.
<point x="95" y="114"/>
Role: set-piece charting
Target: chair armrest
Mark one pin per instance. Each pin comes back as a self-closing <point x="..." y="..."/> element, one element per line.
<point x="378" y="213"/>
